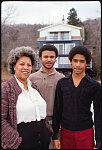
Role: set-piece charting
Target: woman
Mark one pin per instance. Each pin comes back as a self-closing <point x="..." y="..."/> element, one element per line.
<point x="23" y="110"/>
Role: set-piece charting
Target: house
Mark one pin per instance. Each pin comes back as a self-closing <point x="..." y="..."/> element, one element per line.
<point x="64" y="37"/>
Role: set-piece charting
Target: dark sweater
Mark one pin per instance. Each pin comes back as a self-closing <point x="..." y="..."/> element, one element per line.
<point x="72" y="106"/>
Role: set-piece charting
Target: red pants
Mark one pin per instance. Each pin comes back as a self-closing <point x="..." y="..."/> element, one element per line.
<point x="77" y="139"/>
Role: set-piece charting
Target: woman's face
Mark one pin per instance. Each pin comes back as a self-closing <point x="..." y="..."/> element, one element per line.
<point x="23" y="68"/>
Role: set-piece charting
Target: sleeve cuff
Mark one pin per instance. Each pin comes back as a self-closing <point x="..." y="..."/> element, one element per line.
<point x="98" y="144"/>
<point x="55" y="136"/>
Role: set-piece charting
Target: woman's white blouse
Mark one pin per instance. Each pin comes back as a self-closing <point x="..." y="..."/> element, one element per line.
<point x="30" y="105"/>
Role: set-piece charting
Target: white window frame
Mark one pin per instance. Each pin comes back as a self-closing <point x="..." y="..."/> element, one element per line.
<point x="57" y="46"/>
<point x="64" y="60"/>
<point x="68" y="47"/>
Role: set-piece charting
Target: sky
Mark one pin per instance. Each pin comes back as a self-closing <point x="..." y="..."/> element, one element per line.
<point x="49" y="12"/>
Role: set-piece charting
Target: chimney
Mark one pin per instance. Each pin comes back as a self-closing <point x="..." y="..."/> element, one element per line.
<point x="63" y="19"/>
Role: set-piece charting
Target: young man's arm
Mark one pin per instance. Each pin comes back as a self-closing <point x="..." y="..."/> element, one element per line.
<point x="97" y="114"/>
<point x="57" y="112"/>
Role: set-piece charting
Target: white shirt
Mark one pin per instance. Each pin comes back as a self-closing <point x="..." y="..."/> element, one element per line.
<point x="30" y="105"/>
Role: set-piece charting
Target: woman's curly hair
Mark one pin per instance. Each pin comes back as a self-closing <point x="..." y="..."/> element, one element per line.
<point x="80" y="49"/>
<point x="17" y="53"/>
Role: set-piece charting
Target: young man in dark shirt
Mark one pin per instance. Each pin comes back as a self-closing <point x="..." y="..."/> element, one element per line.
<point x="73" y="98"/>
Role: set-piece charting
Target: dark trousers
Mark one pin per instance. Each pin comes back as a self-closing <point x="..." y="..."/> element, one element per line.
<point x="77" y="139"/>
<point x="34" y="135"/>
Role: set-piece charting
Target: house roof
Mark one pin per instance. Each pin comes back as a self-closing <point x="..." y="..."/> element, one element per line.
<point x="67" y="25"/>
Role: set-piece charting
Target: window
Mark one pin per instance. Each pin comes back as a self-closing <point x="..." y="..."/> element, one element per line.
<point x="64" y="35"/>
<point x="64" y="48"/>
<point x="54" y="35"/>
<point x="64" y="60"/>
<point x="68" y="47"/>
<point x="60" y="48"/>
<point x="57" y="46"/>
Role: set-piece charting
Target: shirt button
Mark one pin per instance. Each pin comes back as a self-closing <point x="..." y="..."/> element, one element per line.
<point x="39" y="134"/>
<point x="39" y="142"/>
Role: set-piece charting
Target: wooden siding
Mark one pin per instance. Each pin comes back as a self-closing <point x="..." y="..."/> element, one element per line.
<point x="41" y="39"/>
<point x="76" y="37"/>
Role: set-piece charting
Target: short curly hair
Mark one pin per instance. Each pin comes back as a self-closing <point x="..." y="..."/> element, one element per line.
<point x="48" y="47"/>
<point x="17" y="53"/>
<point x="80" y="49"/>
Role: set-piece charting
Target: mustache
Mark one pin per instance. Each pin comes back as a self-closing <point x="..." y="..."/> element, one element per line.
<point x="77" y="68"/>
<point x="48" y="63"/>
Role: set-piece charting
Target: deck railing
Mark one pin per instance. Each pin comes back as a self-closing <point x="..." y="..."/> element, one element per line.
<point x="53" y="38"/>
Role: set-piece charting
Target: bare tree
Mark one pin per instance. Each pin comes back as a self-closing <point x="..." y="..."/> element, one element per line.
<point x="93" y="29"/>
<point x="8" y="13"/>
<point x="7" y="32"/>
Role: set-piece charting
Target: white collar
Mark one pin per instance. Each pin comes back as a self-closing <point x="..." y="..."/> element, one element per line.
<point x="21" y="84"/>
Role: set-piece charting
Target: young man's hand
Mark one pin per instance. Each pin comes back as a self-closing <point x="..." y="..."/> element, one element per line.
<point x="56" y="144"/>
